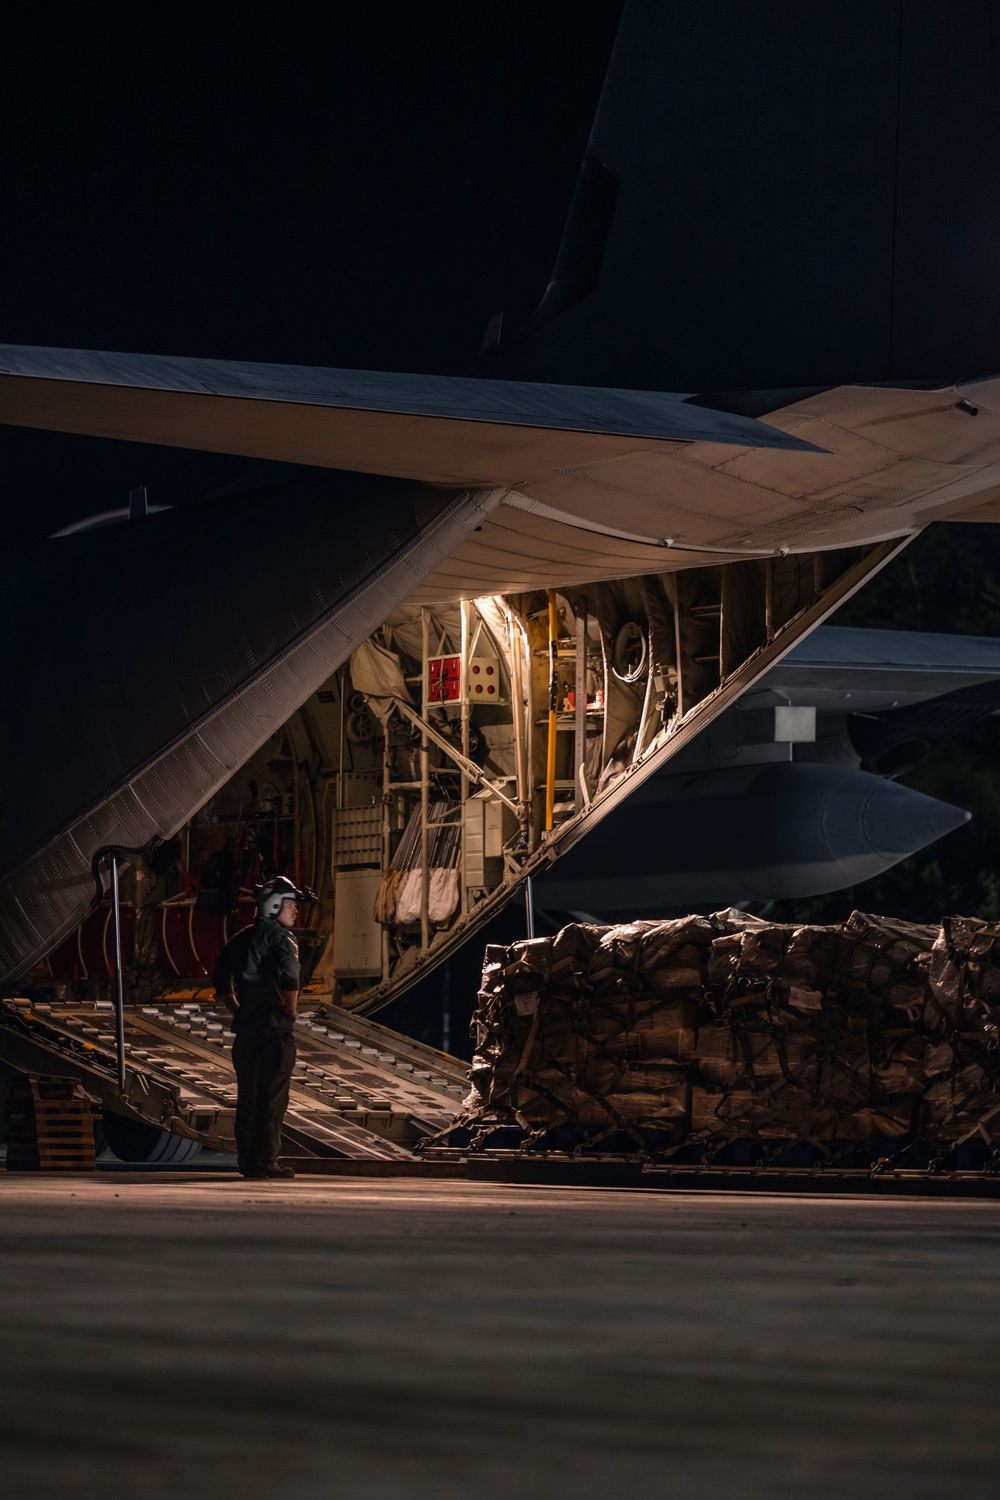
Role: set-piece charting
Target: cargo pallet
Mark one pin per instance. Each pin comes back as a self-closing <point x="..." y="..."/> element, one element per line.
<point x="50" y="1126"/>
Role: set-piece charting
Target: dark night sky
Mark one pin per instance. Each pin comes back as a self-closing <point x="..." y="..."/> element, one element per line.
<point x="361" y="186"/>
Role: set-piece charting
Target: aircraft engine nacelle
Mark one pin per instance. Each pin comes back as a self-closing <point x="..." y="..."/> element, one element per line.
<point x="754" y="833"/>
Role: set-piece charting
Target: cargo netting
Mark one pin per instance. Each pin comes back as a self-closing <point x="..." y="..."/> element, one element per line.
<point x="873" y="1040"/>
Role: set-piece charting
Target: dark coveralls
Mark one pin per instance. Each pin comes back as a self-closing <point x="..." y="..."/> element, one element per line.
<point x="257" y="963"/>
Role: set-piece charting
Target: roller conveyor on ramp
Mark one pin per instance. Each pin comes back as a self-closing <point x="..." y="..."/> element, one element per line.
<point x="359" y="1089"/>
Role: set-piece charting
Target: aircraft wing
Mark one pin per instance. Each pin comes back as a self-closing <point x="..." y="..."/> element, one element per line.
<point x="599" y="482"/>
<point x="850" y="669"/>
<point x="440" y="429"/>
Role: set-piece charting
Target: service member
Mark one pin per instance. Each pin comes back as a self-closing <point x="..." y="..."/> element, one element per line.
<point x="257" y="977"/>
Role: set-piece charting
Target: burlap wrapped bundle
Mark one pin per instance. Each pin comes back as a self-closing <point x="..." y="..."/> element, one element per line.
<point x="653" y="1109"/>
<point x="585" y="1088"/>
<point x="614" y="961"/>
<point x="963" y="1105"/>
<point x="653" y="1095"/>
<point x="722" y="968"/>
<point x="733" y="1057"/>
<point x="965" y="972"/>
<point x="908" y="996"/>
<point x="529" y="963"/>
<point x="878" y="956"/>
<point x="731" y="1114"/>
<point x="665" y="1028"/>
<point x="982" y="963"/>
<point x="807" y="968"/>
<point x="673" y="956"/>
<point x="749" y="960"/>
<point x="649" y="1076"/>
<point x="899" y="1068"/>
<point x="893" y="1119"/>
<point x="961" y="1066"/>
<point x="784" y="967"/>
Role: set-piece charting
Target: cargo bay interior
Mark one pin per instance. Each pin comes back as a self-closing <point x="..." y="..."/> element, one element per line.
<point x="458" y="751"/>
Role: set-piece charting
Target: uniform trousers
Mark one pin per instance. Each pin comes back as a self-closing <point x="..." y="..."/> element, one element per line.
<point x="264" y="1057"/>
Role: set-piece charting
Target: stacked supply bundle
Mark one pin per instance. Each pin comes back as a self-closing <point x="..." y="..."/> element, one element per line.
<point x="595" y="1027"/>
<point x="810" y="1036"/>
<point x="961" y="1018"/>
<point x="706" y="1030"/>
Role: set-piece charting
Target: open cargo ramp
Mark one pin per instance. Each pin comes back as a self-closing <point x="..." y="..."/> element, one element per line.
<point x="358" y="1091"/>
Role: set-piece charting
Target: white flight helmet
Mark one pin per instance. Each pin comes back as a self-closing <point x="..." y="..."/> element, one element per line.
<point x="272" y="893"/>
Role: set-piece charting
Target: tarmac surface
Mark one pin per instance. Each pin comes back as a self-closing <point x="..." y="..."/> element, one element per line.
<point x="195" y="1336"/>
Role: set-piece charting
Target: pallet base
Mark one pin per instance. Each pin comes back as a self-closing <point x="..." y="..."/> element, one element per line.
<point x="553" y="1172"/>
<point x="50" y="1126"/>
<point x="340" y="1166"/>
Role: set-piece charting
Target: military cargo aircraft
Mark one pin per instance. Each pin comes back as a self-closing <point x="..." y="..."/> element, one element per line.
<point x="502" y="603"/>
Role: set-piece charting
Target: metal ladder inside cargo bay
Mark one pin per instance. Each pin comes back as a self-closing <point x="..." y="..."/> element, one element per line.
<point x="359" y="1089"/>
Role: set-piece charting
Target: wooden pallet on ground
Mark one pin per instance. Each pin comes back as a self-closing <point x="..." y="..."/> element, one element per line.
<point x="50" y="1125"/>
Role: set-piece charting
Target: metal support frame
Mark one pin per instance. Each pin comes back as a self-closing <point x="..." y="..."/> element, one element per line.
<point x="550" y="751"/>
<point x="647" y="701"/>
<point x="466" y="652"/>
<point x="518" y="720"/>
<point x="469" y="766"/>
<point x="580" y="713"/>
<point x="425" y="787"/>
<point x="386" y="831"/>
<point x="116" y="909"/>
<point x="679" y="651"/>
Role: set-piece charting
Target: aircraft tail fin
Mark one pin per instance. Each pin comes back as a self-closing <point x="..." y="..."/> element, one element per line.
<point x="782" y="195"/>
